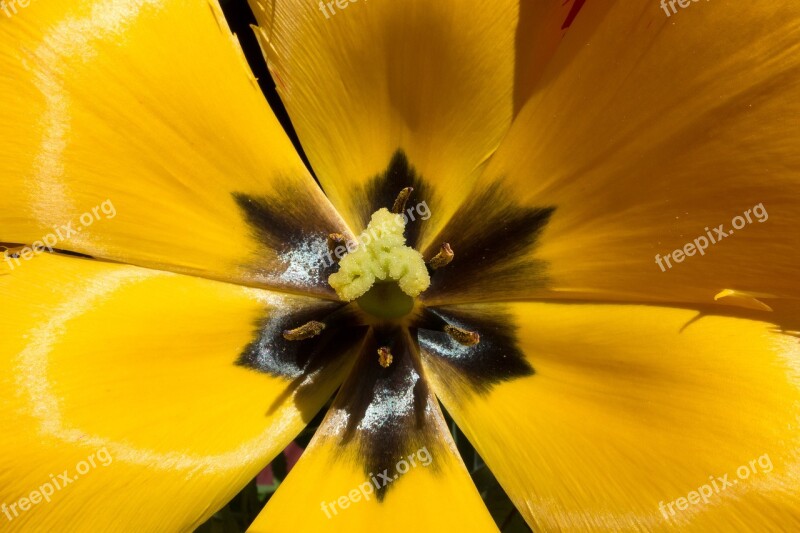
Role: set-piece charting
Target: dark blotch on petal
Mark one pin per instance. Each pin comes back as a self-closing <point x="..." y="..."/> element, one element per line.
<point x="391" y="411"/>
<point x="271" y="353"/>
<point x="302" y="361"/>
<point x="383" y="189"/>
<point x="496" y="359"/>
<point x="493" y="239"/>
<point x="294" y="231"/>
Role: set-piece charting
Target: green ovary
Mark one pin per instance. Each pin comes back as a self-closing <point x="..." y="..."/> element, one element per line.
<point x="382" y="255"/>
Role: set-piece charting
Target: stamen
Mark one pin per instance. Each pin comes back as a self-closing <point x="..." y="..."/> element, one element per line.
<point x="443" y="258"/>
<point x="400" y="203"/>
<point x="385" y="357"/>
<point x="13" y="252"/>
<point x="335" y="240"/>
<point x="306" y="331"/>
<point x="462" y="336"/>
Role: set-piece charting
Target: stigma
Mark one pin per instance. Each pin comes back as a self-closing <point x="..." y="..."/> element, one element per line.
<point x="382" y="256"/>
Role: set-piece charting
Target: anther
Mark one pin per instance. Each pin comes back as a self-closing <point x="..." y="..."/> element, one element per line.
<point x="443" y="258"/>
<point x="306" y="331"/>
<point x="385" y="356"/>
<point x="13" y="252"/>
<point x="462" y="336"/>
<point x="400" y="203"/>
<point x="335" y="240"/>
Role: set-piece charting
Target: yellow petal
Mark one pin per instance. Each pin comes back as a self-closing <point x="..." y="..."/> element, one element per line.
<point x="383" y="457"/>
<point x="434" y="80"/>
<point x="646" y="135"/>
<point x="135" y="373"/>
<point x="629" y="409"/>
<point x="541" y="29"/>
<point x="139" y="125"/>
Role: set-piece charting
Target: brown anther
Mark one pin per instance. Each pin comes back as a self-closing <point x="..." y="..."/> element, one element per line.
<point x="306" y="331"/>
<point x="335" y="240"/>
<point x="402" y="198"/>
<point x="13" y="251"/>
<point x="462" y="336"/>
<point x="385" y="356"/>
<point x="443" y="258"/>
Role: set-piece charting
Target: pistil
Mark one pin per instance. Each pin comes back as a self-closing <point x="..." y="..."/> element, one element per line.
<point x="382" y="256"/>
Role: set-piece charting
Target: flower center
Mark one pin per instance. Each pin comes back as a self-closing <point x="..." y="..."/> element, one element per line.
<point x="383" y="276"/>
<point x="386" y="301"/>
<point x="382" y="259"/>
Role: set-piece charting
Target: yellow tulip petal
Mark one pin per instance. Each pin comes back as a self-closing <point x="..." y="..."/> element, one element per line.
<point x="542" y="27"/>
<point x="131" y="382"/>
<point x="386" y="95"/>
<point x="135" y="131"/>
<point x="382" y="458"/>
<point x="629" y="412"/>
<point x="646" y="136"/>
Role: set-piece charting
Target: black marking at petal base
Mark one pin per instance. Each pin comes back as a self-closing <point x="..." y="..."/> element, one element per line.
<point x="493" y="239"/>
<point x="272" y="354"/>
<point x="496" y="359"/>
<point x="302" y="361"/>
<point x="382" y="190"/>
<point x="390" y="412"/>
<point x="293" y="225"/>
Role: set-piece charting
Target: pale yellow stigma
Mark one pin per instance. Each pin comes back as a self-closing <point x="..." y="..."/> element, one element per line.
<point x="382" y="255"/>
